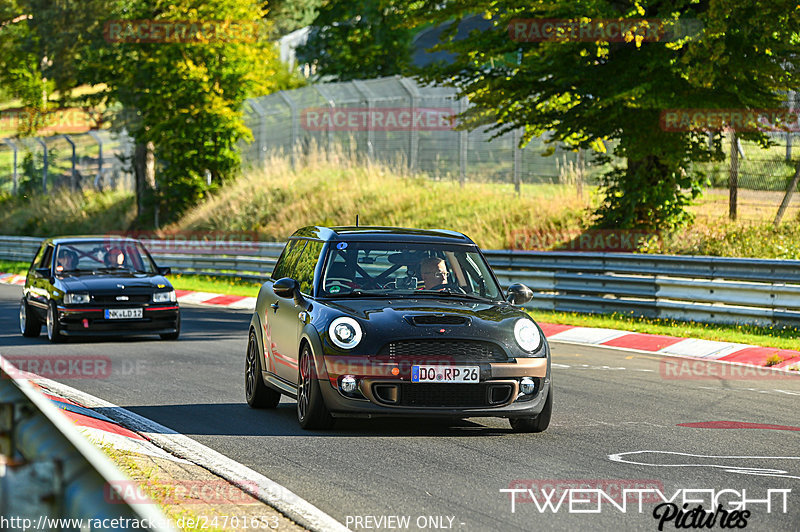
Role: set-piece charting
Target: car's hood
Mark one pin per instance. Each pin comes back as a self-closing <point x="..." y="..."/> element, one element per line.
<point x="380" y="310"/>
<point x="113" y="283"/>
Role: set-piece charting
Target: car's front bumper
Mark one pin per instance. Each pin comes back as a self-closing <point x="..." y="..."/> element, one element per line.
<point x="91" y="321"/>
<point x="381" y="393"/>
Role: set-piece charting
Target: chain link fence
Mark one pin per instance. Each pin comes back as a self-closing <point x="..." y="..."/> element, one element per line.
<point x="97" y="159"/>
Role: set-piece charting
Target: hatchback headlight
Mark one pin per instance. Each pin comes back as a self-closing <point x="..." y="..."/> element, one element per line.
<point x="76" y="299"/>
<point x="527" y="335"/>
<point x="345" y="332"/>
<point x="164" y="297"/>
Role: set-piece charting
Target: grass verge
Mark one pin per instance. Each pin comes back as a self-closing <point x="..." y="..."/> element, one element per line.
<point x="778" y="337"/>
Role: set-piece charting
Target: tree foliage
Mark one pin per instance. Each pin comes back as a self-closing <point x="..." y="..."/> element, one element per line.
<point x="744" y="55"/>
<point x="358" y="39"/>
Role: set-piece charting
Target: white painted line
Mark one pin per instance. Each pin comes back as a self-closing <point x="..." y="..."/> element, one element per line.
<point x="256" y="484"/>
<point x="693" y="347"/>
<point x="588" y="335"/>
<point x="248" y="303"/>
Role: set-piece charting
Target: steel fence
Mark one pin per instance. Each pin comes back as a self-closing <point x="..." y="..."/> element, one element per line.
<point x="696" y="288"/>
<point x="97" y="160"/>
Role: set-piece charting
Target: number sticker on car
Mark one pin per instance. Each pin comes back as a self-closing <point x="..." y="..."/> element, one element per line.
<point x="451" y="374"/>
<point x="123" y="313"/>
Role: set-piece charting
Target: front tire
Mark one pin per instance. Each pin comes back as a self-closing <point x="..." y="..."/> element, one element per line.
<point x="536" y="423"/>
<point x="257" y="394"/>
<point x="312" y="414"/>
<point x="53" y="327"/>
<point x="29" y="323"/>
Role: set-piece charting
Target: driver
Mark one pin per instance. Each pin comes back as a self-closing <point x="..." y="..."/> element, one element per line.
<point x="115" y="258"/>
<point x="434" y="272"/>
<point x="67" y="260"/>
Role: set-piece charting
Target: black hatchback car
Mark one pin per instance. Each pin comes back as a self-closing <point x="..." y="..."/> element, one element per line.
<point x="97" y="286"/>
<point x="377" y="321"/>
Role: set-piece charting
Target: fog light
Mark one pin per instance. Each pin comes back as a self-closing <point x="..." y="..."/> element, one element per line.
<point x="527" y="386"/>
<point x="349" y="384"/>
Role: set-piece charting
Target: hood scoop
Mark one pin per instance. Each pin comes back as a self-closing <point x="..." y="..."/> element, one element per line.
<point x="437" y="319"/>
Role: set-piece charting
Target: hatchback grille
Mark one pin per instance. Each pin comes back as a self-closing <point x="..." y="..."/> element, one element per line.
<point x="473" y="350"/>
<point x="133" y="299"/>
<point x="449" y="395"/>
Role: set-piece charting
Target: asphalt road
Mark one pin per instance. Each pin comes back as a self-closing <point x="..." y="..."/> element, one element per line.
<point x="616" y="422"/>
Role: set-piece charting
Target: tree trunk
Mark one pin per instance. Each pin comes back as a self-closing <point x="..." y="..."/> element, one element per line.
<point x="144" y="173"/>
<point x="733" y="179"/>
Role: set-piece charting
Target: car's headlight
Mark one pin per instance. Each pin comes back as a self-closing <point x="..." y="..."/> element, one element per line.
<point x="164" y="297"/>
<point x="527" y="335"/>
<point x="75" y="299"/>
<point x="345" y="332"/>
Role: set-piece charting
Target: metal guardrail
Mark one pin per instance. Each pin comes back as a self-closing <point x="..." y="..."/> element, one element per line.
<point x="52" y="474"/>
<point x="697" y="288"/>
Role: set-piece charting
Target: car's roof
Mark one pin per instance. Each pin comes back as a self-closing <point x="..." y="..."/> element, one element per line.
<point x="382" y="234"/>
<point x="88" y="238"/>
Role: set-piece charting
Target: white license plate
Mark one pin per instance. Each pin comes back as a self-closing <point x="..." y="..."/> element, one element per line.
<point x="457" y="374"/>
<point x="123" y="313"/>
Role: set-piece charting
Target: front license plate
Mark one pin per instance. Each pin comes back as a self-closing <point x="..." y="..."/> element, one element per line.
<point x="123" y="313"/>
<point x="456" y="374"/>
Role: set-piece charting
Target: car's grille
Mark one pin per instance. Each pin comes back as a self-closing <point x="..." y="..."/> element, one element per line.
<point x="471" y="350"/>
<point x="430" y="395"/>
<point x="133" y="299"/>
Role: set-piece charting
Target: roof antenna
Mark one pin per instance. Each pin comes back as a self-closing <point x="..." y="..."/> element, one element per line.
<point x="356" y="220"/>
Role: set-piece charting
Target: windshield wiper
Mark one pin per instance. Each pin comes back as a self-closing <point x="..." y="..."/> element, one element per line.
<point x="450" y="293"/>
<point x="357" y="293"/>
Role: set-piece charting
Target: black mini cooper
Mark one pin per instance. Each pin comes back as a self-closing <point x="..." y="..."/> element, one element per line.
<point x="378" y="321"/>
<point x="97" y="286"/>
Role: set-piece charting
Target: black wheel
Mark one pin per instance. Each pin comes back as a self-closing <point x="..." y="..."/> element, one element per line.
<point x="258" y="394"/>
<point x="29" y="323"/>
<point x="53" y="327"/>
<point x="312" y="414"/>
<point x="536" y="423"/>
<point x="173" y="335"/>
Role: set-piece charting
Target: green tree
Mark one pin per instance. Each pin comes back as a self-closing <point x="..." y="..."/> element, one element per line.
<point x="358" y="39"/>
<point x="291" y="15"/>
<point x="742" y="57"/>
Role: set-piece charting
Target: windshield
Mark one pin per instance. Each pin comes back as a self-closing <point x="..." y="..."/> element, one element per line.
<point x="364" y="269"/>
<point x="104" y="256"/>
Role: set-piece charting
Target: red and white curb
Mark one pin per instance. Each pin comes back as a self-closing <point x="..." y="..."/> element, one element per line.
<point x="216" y="300"/>
<point x="744" y="354"/>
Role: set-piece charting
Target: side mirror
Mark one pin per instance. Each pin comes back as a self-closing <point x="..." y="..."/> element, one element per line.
<point x="285" y="287"/>
<point x="164" y="270"/>
<point x="519" y="294"/>
<point x="41" y="273"/>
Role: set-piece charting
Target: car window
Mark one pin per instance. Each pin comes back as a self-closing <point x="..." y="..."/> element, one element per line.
<point x="109" y="255"/>
<point x="397" y="269"/>
<point x="306" y="264"/>
<point x="285" y="266"/>
<point x="38" y="258"/>
<point x="47" y="258"/>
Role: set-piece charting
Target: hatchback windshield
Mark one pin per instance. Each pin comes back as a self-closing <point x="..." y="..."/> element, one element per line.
<point x="389" y="268"/>
<point x="107" y="256"/>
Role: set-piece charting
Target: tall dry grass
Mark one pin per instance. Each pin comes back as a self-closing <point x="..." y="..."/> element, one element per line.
<point x="332" y="189"/>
